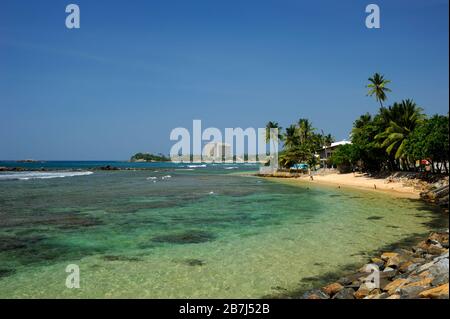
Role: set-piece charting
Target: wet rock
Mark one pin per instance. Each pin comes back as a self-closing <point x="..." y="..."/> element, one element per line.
<point x="393" y="262"/>
<point x="333" y="288"/>
<point x="377" y="261"/>
<point x="394" y="296"/>
<point x="440" y="292"/>
<point x="441" y="238"/>
<point x="386" y="256"/>
<point x="346" y="293"/>
<point x="363" y="291"/>
<point x="316" y="294"/>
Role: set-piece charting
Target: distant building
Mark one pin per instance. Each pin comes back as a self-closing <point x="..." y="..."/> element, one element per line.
<point x="216" y="152"/>
<point x="326" y="152"/>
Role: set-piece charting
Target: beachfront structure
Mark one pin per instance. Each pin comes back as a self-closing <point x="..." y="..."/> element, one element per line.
<point x="326" y="152"/>
<point x="216" y="152"/>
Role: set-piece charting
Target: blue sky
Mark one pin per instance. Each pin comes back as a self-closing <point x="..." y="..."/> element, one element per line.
<point x="137" y="69"/>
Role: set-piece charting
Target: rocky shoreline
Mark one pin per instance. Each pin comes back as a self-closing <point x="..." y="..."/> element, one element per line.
<point x="421" y="272"/>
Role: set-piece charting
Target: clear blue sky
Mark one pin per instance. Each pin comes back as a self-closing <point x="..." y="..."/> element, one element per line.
<point x="137" y="69"/>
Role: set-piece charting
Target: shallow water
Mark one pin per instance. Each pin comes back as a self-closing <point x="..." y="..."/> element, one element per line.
<point x="179" y="232"/>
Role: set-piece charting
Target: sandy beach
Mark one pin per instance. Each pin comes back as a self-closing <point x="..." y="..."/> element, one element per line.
<point x="363" y="181"/>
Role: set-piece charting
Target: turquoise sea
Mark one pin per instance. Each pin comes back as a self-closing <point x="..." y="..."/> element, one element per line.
<point x="186" y="231"/>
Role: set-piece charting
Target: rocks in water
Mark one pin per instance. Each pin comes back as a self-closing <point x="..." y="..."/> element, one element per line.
<point x="332" y="289"/>
<point x="374" y="218"/>
<point x="363" y="291"/>
<point x="188" y="237"/>
<point x="316" y="294"/>
<point x="346" y="293"/>
<point x="108" y="168"/>
<point x="421" y="272"/>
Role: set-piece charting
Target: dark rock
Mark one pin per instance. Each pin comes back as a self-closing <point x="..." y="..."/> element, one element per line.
<point x="316" y="294"/>
<point x="346" y="293"/>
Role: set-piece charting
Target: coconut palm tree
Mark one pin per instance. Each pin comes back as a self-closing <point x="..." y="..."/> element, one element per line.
<point x="275" y="137"/>
<point x="273" y="125"/>
<point x="377" y="87"/>
<point x="403" y="119"/>
<point x="305" y="130"/>
<point x="291" y="136"/>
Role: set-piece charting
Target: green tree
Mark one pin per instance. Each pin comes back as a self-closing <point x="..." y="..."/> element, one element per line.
<point x="377" y="87"/>
<point x="345" y="157"/>
<point x="291" y="137"/>
<point x="403" y="119"/>
<point x="430" y="141"/>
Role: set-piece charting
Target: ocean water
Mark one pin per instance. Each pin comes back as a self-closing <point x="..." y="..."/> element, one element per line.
<point x="187" y="231"/>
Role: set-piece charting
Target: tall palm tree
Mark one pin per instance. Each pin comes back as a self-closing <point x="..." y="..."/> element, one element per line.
<point x="305" y="130"/>
<point x="291" y="136"/>
<point x="377" y="87"/>
<point x="273" y="125"/>
<point x="403" y="118"/>
<point x="270" y="135"/>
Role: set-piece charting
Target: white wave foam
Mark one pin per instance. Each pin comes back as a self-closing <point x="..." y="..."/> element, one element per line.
<point x="194" y="166"/>
<point x="25" y="176"/>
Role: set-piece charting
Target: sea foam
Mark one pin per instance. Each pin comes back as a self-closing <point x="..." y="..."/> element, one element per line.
<point x="24" y="176"/>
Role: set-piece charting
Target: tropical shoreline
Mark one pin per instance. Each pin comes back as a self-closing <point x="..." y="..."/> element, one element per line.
<point x="417" y="270"/>
<point x="389" y="185"/>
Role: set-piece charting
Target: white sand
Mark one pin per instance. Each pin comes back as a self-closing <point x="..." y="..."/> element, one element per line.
<point x="364" y="182"/>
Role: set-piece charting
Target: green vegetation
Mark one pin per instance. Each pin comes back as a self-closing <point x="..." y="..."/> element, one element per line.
<point x="147" y="157"/>
<point x="301" y="143"/>
<point x="397" y="137"/>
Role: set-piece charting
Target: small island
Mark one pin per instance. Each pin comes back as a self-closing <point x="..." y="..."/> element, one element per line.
<point x="147" y="157"/>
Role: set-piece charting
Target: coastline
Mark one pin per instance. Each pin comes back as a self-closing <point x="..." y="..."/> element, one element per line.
<point x="417" y="270"/>
<point x="358" y="181"/>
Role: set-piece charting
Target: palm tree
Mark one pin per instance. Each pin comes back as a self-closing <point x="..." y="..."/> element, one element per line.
<point x="273" y="125"/>
<point x="377" y="87"/>
<point x="270" y="135"/>
<point x="403" y="119"/>
<point x="305" y="129"/>
<point x="291" y="136"/>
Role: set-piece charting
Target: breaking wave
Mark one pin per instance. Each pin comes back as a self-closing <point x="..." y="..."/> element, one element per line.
<point x="24" y="176"/>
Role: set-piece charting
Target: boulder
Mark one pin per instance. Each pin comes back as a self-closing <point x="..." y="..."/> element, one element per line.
<point x="363" y="291"/>
<point x="440" y="272"/>
<point x="386" y="256"/>
<point x="333" y="288"/>
<point x="316" y="294"/>
<point x="392" y="287"/>
<point x="346" y="293"/>
<point x="411" y="292"/>
<point x="393" y="262"/>
<point x="440" y="292"/>
<point x="441" y="238"/>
